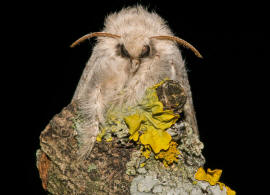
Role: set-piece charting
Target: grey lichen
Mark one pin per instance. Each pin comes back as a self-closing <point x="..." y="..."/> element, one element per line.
<point x="191" y="147"/>
<point x="147" y="183"/>
<point x="190" y="142"/>
<point x="208" y="189"/>
<point x="165" y="181"/>
<point x="158" y="180"/>
<point x="155" y="178"/>
<point x="134" y="163"/>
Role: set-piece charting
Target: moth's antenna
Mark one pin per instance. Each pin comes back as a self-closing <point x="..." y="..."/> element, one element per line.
<point x="95" y="34"/>
<point x="181" y="42"/>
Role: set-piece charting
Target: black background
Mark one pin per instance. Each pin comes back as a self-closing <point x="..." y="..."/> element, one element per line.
<point x="226" y="84"/>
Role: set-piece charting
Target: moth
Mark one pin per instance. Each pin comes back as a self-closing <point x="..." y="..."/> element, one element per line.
<point x="135" y="50"/>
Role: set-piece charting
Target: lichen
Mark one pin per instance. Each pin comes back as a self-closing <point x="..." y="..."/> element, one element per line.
<point x="148" y="127"/>
<point x="169" y="156"/>
<point x="146" y="151"/>
<point x="190" y="142"/>
<point x="230" y="191"/>
<point x="142" y="165"/>
<point x="170" y="151"/>
<point x="150" y="121"/>
<point x="77" y="120"/>
<point x="101" y="135"/>
<point x="91" y="167"/>
<point x="190" y="147"/>
<point x="212" y="177"/>
<point x="155" y="179"/>
<point x="146" y="122"/>
<point x="157" y="139"/>
<point x="134" y="163"/>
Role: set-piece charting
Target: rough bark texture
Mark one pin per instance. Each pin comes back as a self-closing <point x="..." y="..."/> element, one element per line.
<point x="103" y="172"/>
<point x="114" y="168"/>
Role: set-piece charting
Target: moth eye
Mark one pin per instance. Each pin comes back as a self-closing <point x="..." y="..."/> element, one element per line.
<point x="145" y="51"/>
<point x="124" y="51"/>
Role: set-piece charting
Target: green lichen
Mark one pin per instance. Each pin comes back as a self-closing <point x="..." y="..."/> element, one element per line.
<point x="115" y="124"/>
<point x="91" y="167"/>
<point x="77" y="121"/>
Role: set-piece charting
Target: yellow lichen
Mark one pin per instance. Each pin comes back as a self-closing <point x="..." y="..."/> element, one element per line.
<point x="212" y="177"/>
<point x="156" y="138"/>
<point x="150" y="122"/>
<point x="146" y="151"/>
<point x="100" y="136"/>
<point x="109" y="139"/>
<point x="230" y="191"/>
<point x="134" y="123"/>
<point x="142" y="164"/>
<point x="170" y="156"/>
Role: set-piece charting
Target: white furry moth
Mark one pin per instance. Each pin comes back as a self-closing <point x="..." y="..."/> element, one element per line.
<point x="135" y="50"/>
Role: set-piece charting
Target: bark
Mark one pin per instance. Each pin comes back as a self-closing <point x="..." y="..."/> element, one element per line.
<point x="114" y="168"/>
<point x="102" y="172"/>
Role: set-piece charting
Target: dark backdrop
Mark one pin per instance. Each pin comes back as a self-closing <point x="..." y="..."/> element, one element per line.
<point x="225" y="84"/>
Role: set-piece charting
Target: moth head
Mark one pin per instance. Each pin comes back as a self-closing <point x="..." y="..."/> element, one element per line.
<point x="142" y="51"/>
<point x="136" y="48"/>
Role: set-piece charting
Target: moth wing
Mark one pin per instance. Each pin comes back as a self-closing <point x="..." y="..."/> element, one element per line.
<point x="95" y="61"/>
<point x="182" y="76"/>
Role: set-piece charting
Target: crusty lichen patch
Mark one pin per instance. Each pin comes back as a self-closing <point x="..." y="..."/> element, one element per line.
<point x="169" y="156"/>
